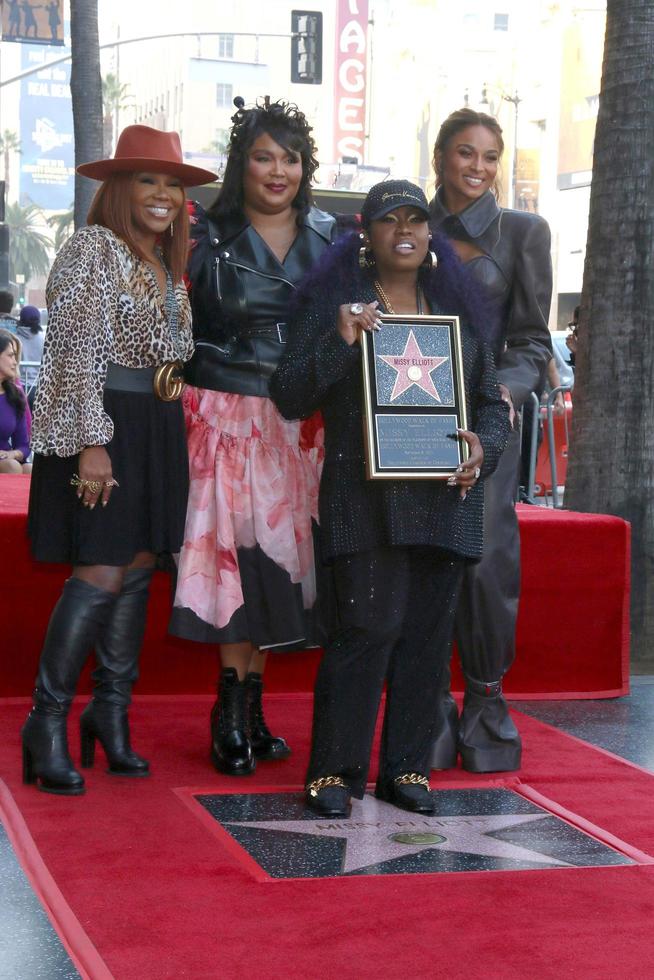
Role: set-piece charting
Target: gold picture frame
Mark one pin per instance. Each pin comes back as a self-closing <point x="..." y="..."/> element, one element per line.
<point x="414" y="398"/>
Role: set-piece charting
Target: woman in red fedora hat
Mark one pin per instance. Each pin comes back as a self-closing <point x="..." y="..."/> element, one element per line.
<point x="247" y="577"/>
<point x="109" y="484"/>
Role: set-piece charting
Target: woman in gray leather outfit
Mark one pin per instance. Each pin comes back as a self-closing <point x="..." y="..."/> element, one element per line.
<point x="508" y="252"/>
<point x="247" y="576"/>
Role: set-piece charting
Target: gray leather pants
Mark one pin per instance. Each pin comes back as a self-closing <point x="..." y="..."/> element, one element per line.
<point x="485" y="633"/>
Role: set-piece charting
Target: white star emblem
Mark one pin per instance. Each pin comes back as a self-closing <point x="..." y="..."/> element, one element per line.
<point x="413" y="368"/>
<point x="377" y="832"/>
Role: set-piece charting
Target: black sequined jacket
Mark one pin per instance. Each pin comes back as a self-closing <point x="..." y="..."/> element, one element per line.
<point x="320" y="371"/>
<point x="240" y="294"/>
<point x="515" y="268"/>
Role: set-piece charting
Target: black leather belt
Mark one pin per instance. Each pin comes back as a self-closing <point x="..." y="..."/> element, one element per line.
<point x="269" y="331"/>
<point x="164" y="381"/>
<point x="121" y="378"/>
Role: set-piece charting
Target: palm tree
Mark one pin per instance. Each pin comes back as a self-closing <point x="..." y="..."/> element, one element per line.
<point x="9" y="143"/>
<point x="29" y="247"/>
<point x="86" y="93"/>
<point x="611" y="467"/>
<point x="114" y="97"/>
<point x="63" y="223"/>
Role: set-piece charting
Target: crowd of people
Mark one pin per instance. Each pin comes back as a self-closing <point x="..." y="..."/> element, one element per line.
<point x="200" y="402"/>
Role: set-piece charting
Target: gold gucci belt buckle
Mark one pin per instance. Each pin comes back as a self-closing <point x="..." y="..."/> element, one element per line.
<point x="168" y="381"/>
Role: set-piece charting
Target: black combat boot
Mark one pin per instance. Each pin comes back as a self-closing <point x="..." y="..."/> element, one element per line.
<point x="231" y="749"/>
<point x="264" y="745"/>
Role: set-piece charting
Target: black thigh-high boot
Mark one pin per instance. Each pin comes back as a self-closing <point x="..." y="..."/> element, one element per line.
<point x="76" y="621"/>
<point x="117" y="651"/>
<point x="231" y="749"/>
<point x="264" y="744"/>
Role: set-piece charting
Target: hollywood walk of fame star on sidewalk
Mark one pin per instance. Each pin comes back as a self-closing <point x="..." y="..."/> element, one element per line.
<point x="371" y="833"/>
<point x="413" y="368"/>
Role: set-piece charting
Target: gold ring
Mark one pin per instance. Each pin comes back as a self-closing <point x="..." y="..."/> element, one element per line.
<point x="95" y="486"/>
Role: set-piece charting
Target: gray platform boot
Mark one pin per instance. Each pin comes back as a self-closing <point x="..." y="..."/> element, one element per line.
<point x="488" y="739"/>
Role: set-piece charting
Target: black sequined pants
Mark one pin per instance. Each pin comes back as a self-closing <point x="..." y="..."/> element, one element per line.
<point x="392" y="619"/>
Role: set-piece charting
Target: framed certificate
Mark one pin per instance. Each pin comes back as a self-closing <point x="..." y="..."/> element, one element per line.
<point x="414" y="398"/>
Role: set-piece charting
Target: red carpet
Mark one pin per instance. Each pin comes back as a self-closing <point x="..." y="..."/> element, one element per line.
<point x="572" y="635"/>
<point x="159" y="898"/>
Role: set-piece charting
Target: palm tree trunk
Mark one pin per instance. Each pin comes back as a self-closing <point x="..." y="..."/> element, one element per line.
<point x="86" y="92"/>
<point x="611" y="466"/>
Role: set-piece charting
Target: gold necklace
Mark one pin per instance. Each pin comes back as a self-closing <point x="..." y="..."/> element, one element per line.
<point x="383" y="297"/>
<point x="387" y="303"/>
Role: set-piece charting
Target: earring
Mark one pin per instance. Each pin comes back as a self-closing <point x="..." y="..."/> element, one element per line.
<point x="366" y="257"/>
<point x="430" y="260"/>
<point x="171" y="228"/>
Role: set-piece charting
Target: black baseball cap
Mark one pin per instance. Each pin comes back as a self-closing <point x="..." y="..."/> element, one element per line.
<point x="389" y="195"/>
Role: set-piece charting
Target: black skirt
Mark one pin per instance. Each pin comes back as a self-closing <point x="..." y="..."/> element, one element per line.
<point x="146" y="512"/>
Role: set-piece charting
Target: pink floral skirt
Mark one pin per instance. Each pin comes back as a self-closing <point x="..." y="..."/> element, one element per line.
<point x="247" y="570"/>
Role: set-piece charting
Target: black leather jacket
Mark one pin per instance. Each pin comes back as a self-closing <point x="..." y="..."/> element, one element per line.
<point x="515" y="268"/>
<point x="240" y="295"/>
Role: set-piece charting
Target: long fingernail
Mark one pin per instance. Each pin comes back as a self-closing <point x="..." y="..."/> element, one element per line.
<point x="451" y="482"/>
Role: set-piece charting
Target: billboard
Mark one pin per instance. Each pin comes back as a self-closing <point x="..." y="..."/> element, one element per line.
<point x="47" y="161"/>
<point x="350" y="80"/>
<point x="32" y="21"/>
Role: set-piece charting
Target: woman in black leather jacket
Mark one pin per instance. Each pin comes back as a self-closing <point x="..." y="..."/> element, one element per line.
<point x="508" y="252"/>
<point x="246" y="571"/>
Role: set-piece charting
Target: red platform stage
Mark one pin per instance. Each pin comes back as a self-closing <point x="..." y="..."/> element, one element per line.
<point x="572" y="637"/>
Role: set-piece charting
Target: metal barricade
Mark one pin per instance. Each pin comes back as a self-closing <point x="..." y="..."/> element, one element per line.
<point x="29" y="375"/>
<point x="533" y="446"/>
<point x="551" y="398"/>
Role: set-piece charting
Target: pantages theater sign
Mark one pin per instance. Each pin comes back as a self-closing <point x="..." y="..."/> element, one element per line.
<point x="350" y="79"/>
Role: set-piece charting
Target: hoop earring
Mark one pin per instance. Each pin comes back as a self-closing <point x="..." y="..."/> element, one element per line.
<point x="366" y="256"/>
<point x="430" y="260"/>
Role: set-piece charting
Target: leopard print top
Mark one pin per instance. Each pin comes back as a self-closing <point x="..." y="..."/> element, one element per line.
<point x="104" y="304"/>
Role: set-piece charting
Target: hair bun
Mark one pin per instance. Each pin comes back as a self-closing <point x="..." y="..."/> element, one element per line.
<point x="239" y="102"/>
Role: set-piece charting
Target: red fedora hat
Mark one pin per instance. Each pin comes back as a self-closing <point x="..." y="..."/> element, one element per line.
<point x="141" y="148"/>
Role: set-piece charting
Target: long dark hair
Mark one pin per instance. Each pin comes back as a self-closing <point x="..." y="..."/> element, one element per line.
<point x="15" y="395"/>
<point x="288" y="127"/>
<point x="455" y="122"/>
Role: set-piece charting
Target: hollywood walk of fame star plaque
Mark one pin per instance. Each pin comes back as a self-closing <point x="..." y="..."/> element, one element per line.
<point x="414" y="398"/>
<point x="275" y="835"/>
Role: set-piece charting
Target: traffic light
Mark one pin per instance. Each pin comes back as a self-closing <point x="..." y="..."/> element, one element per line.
<point x="306" y="47"/>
